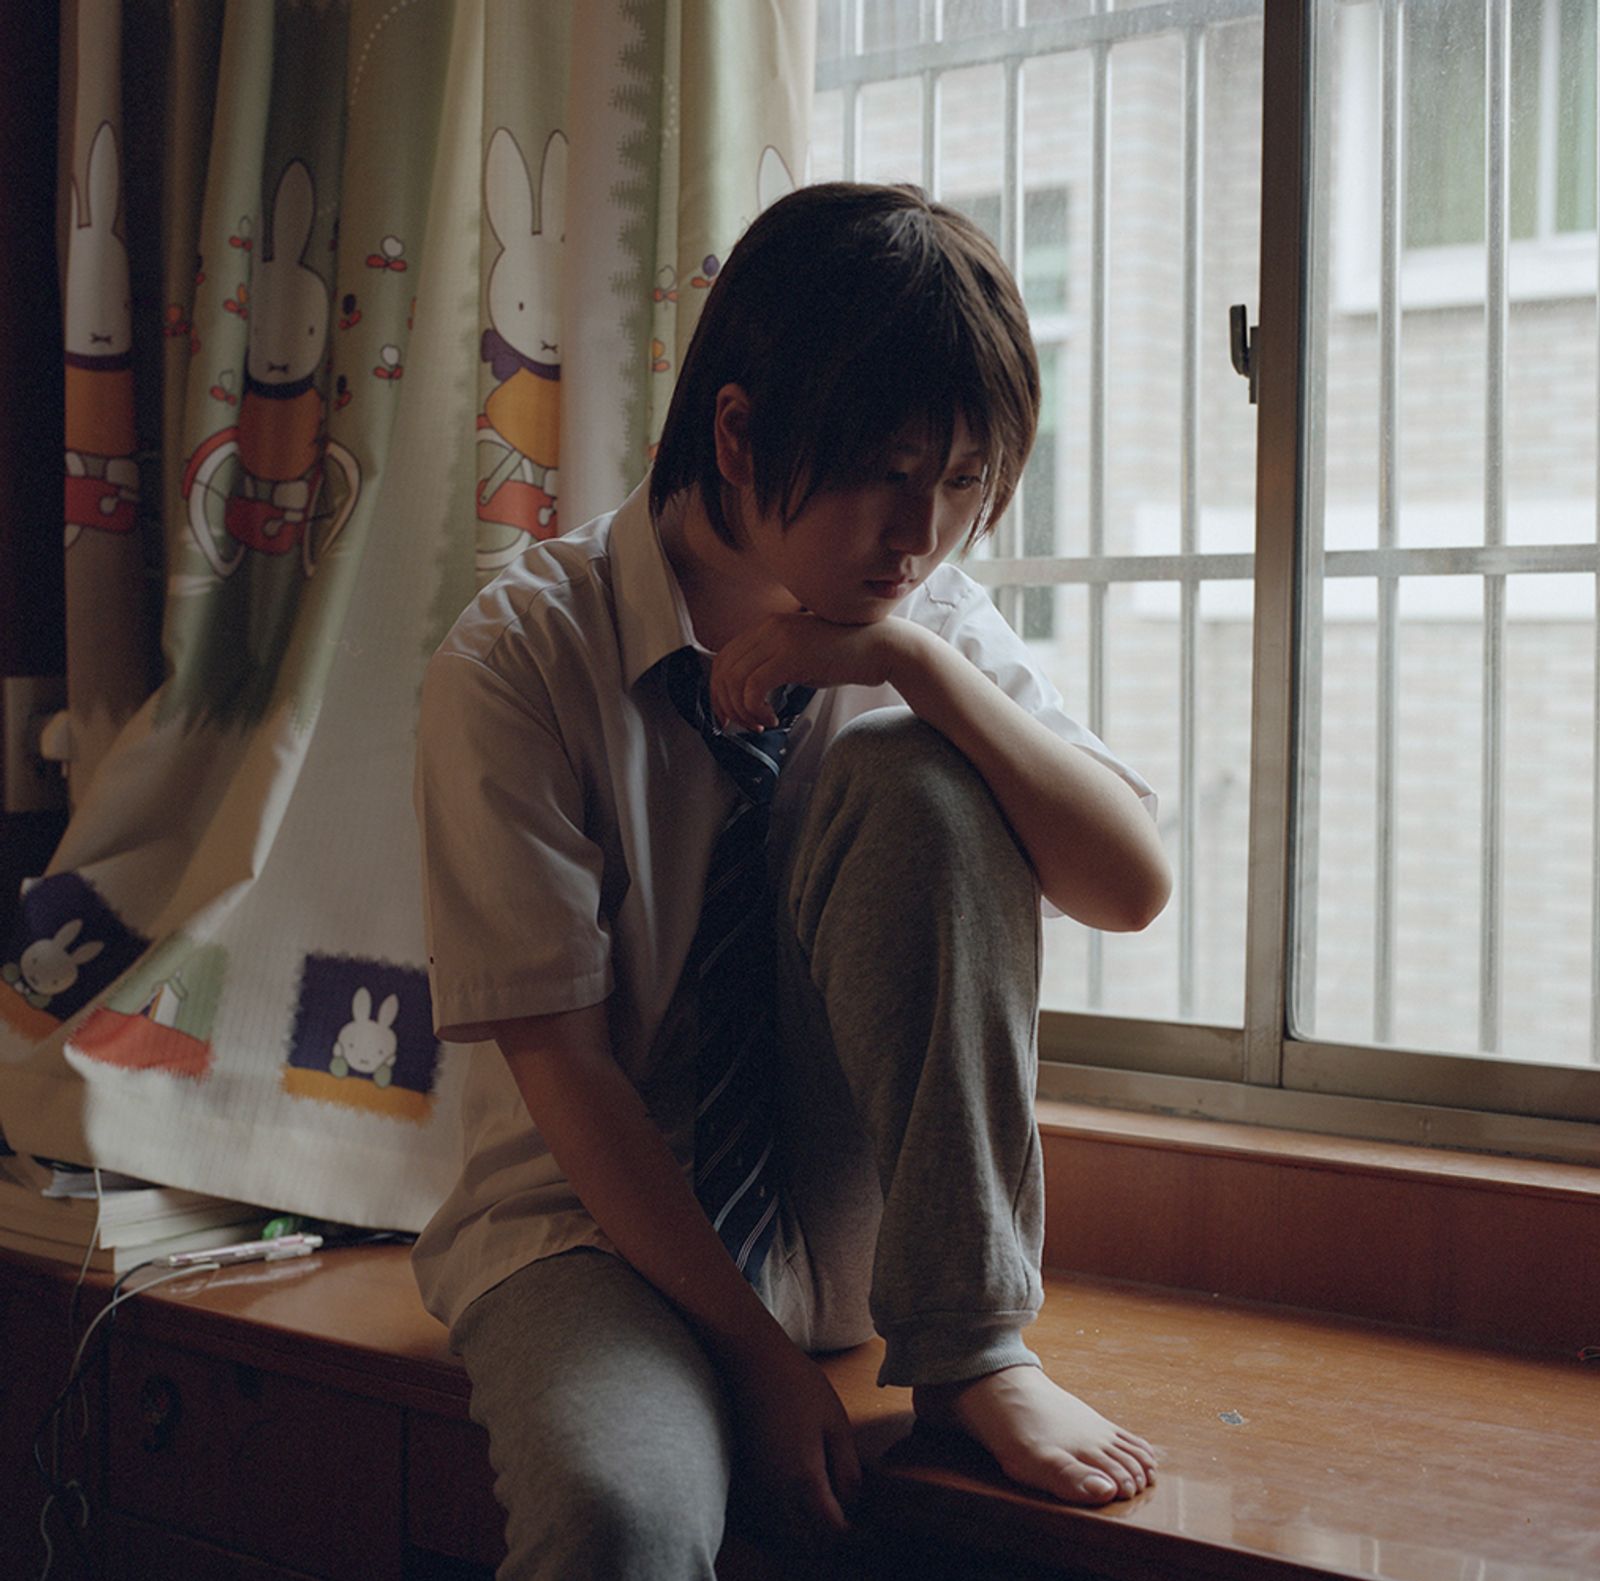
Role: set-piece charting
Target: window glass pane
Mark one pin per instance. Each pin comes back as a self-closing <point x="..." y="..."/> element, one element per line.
<point x="1445" y="118"/>
<point x="1161" y="668"/>
<point x="964" y="18"/>
<point x="891" y="130"/>
<point x="1575" y="196"/>
<point x="893" y="24"/>
<point x="832" y="29"/>
<point x="1445" y="881"/>
<point x="827" y="136"/>
<point x="972" y="148"/>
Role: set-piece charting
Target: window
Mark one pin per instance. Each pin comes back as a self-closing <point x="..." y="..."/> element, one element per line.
<point x="1350" y="633"/>
<point x="1440" y="57"/>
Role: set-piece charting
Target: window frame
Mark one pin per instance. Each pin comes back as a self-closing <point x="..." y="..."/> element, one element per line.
<point x="1259" y="1072"/>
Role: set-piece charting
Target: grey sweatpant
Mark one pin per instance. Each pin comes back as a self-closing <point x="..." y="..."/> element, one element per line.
<point x="913" y="1190"/>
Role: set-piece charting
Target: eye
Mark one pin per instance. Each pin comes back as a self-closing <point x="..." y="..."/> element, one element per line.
<point x="965" y="481"/>
<point x="897" y="477"/>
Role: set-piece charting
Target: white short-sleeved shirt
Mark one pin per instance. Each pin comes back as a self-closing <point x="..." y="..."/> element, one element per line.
<point x="567" y="817"/>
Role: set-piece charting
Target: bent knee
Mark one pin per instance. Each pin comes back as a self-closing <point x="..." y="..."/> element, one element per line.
<point x="891" y="776"/>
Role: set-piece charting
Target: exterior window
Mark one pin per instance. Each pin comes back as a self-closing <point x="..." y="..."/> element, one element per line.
<point x="1551" y="112"/>
<point x="1549" y="92"/>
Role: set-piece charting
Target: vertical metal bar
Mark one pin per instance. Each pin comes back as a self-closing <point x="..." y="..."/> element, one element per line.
<point x="933" y="111"/>
<point x="1188" y="512"/>
<point x="1549" y="117"/>
<point x="850" y="97"/>
<point x="1099" y="365"/>
<point x="1301" y="897"/>
<point x="1011" y="529"/>
<point x="1497" y="203"/>
<point x="852" y="32"/>
<point x="1594" y="848"/>
<point x="1288" y="346"/>
<point x="1391" y="77"/>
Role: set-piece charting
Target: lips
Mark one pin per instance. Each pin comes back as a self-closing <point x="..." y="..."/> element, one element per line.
<point x="891" y="587"/>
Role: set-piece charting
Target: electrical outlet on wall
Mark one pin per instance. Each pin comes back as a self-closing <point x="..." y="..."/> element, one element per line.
<point x="29" y="781"/>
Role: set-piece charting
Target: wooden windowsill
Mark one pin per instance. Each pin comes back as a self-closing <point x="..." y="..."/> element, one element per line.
<point x="1473" y="1246"/>
<point x="1313" y="1150"/>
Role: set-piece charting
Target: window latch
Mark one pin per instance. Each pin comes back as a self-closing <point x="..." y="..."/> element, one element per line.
<point x="1242" y="344"/>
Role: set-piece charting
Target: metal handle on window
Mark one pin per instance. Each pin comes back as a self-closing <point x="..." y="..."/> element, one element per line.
<point x="1242" y="345"/>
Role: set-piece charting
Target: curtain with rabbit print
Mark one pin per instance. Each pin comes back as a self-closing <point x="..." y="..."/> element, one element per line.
<point x="360" y="297"/>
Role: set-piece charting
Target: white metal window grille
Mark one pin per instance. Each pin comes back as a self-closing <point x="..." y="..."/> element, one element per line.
<point x="1286" y="561"/>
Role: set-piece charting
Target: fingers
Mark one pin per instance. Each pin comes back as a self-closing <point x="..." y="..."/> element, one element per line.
<point x="741" y="692"/>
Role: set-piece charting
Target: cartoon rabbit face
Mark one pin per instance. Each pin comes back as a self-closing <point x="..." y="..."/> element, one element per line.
<point x="525" y="282"/>
<point x="289" y="302"/>
<point x="364" y="1044"/>
<point x="99" y="305"/>
<point x="49" y="967"/>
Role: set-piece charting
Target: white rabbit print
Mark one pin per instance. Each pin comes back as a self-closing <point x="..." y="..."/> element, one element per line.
<point x="520" y="430"/>
<point x="49" y="966"/>
<point x="102" y="477"/>
<point x="366" y="1046"/>
<point x="260" y="483"/>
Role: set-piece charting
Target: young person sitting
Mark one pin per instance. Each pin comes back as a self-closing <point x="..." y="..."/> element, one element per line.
<point x="738" y="807"/>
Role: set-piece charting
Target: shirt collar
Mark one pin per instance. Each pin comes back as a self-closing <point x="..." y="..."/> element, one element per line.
<point x="652" y="618"/>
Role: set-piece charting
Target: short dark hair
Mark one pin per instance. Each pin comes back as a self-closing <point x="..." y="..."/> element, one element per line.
<point x="849" y="313"/>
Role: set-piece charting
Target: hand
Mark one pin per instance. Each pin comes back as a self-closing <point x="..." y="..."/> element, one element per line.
<point x="801" y="649"/>
<point x="797" y="1469"/>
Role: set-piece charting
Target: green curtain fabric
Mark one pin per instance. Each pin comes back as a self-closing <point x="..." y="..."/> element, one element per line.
<point x="358" y="299"/>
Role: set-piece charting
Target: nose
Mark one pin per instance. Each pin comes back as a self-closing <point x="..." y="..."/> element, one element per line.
<point x="913" y="526"/>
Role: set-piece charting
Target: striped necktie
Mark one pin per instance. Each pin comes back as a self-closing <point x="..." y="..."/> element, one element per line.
<point x="731" y="963"/>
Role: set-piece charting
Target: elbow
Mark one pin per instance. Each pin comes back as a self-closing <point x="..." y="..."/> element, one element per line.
<point x="1131" y="902"/>
<point x="1140" y="904"/>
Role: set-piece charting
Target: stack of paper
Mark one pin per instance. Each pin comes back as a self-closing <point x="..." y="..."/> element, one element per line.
<point x="48" y="1209"/>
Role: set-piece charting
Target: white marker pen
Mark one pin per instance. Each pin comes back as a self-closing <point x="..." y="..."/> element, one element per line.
<point x="273" y="1251"/>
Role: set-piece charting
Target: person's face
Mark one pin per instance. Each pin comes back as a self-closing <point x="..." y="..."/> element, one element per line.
<point x="852" y="555"/>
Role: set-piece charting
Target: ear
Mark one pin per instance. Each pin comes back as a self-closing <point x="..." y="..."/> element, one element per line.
<point x="773" y="180"/>
<point x="505" y="189"/>
<point x="553" y="188"/>
<point x="293" y="209"/>
<point x="361" y="1005"/>
<point x="731" y="427"/>
<point x="68" y="931"/>
<point x="388" y="1010"/>
<point x="103" y="173"/>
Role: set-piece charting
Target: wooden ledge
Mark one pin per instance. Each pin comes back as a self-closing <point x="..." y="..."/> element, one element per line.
<point x="1313" y="1150"/>
<point x="1502" y="1251"/>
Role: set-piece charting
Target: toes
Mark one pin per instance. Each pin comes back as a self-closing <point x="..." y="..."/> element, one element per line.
<point x="1137" y="1447"/>
<point x="1110" y="1465"/>
<point x="1130" y="1467"/>
<point x="1081" y="1483"/>
<point x="1070" y="1477"/>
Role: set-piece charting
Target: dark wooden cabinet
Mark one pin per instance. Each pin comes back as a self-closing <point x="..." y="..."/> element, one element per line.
<point x="235" y="1432"/>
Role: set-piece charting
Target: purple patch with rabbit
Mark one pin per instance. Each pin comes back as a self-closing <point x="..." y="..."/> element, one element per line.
<point x="365" y="1021"/>
<point x="66" y="946"/>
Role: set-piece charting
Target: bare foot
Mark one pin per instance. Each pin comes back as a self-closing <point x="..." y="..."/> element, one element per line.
<point x="1042" y="1436"/>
